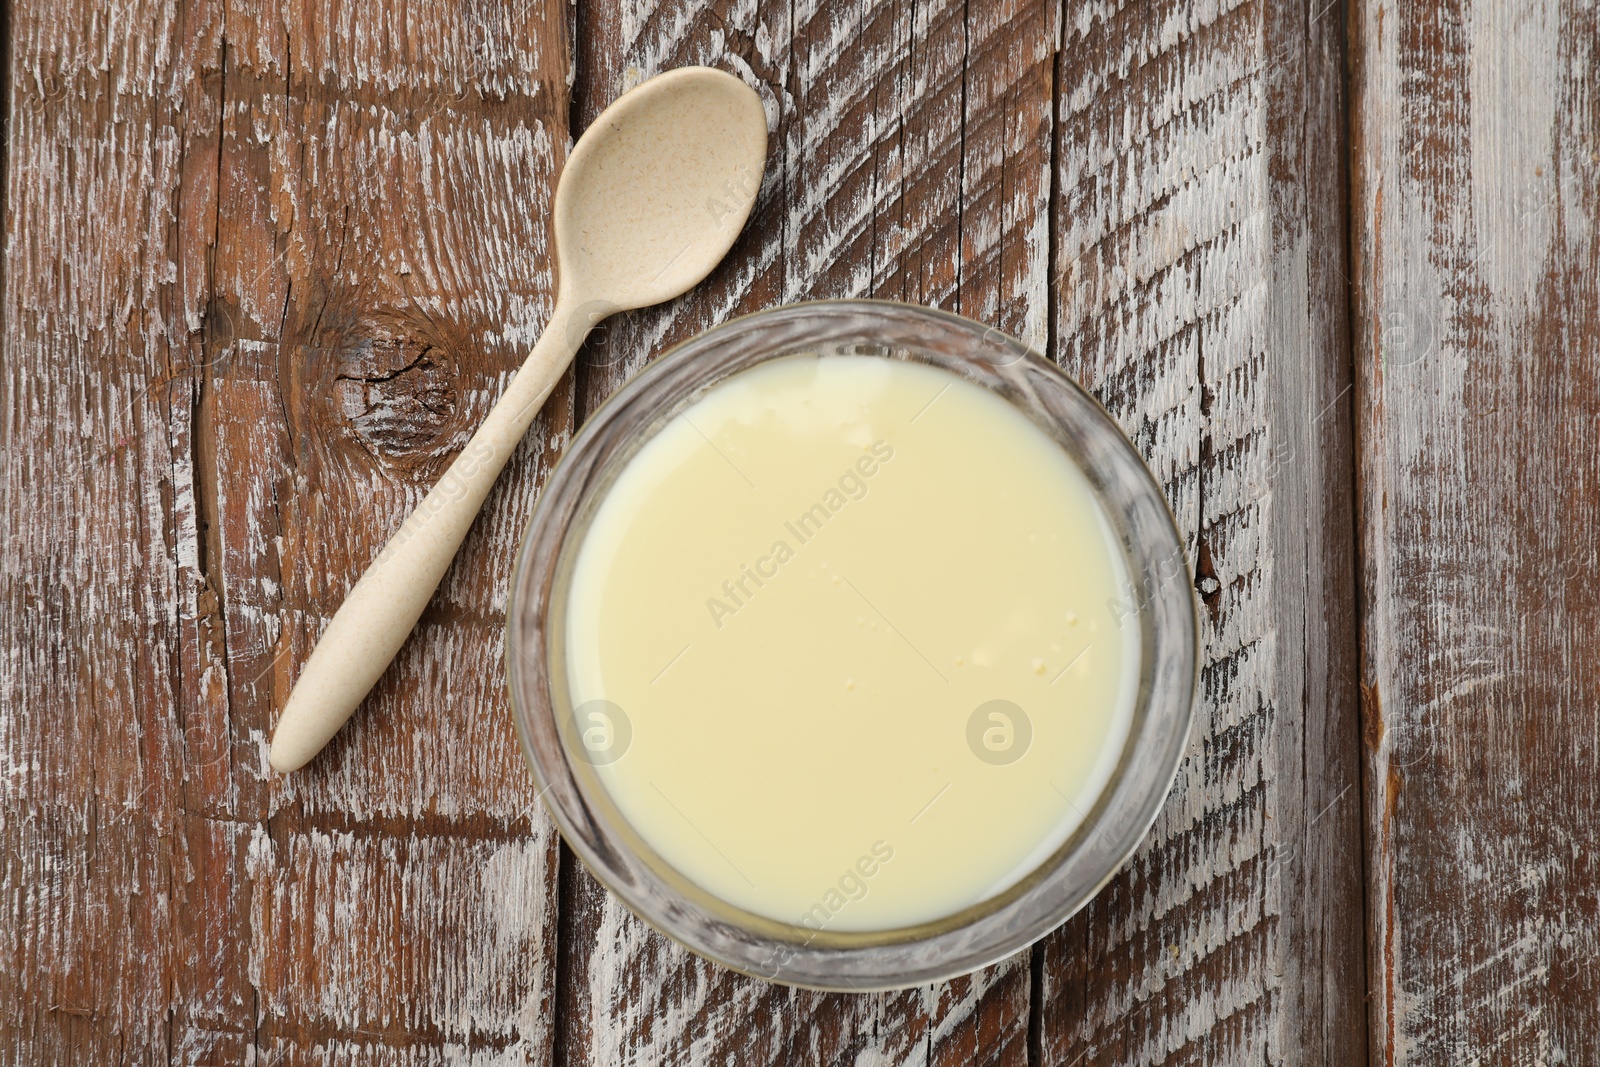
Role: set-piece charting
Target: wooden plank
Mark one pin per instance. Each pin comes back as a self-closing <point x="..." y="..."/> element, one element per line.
<point x="391" y="270"/>
<point x="910" y="161"/>
<point x="108" y="218"/>
<point x="1199" y="293"/>
<point x="1476" y="190"/>
<point x="266" y="268"/>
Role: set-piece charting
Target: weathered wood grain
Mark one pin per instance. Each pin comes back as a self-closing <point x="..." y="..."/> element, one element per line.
<point x="1198" y="291"/>
<point x="107" y="223"/>
<point x="267" y="265"/>
<point x="1476" y="192"/>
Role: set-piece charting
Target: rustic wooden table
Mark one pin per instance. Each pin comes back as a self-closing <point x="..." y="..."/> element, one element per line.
<point x="1333" y="266"/>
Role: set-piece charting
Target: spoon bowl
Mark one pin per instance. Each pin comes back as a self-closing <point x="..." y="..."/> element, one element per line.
<point x="666" y="187"/>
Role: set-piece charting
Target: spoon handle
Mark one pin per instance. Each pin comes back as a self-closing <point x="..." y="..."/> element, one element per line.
<point x="382" y="608"/>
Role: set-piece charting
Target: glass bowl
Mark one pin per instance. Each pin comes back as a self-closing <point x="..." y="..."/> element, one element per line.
<point x="1161" y="600"/>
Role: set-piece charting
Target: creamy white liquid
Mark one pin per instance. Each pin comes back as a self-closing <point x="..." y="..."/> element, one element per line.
<point x="800" y="594"/>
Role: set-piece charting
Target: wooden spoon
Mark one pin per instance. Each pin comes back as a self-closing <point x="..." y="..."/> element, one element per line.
<point x="652" y="198"/>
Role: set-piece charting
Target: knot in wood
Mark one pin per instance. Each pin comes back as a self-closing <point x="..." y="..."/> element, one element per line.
<point x="398" y="397"/>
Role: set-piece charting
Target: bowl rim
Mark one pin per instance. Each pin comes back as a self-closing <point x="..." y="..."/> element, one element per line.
<point x="864" y="961"/>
